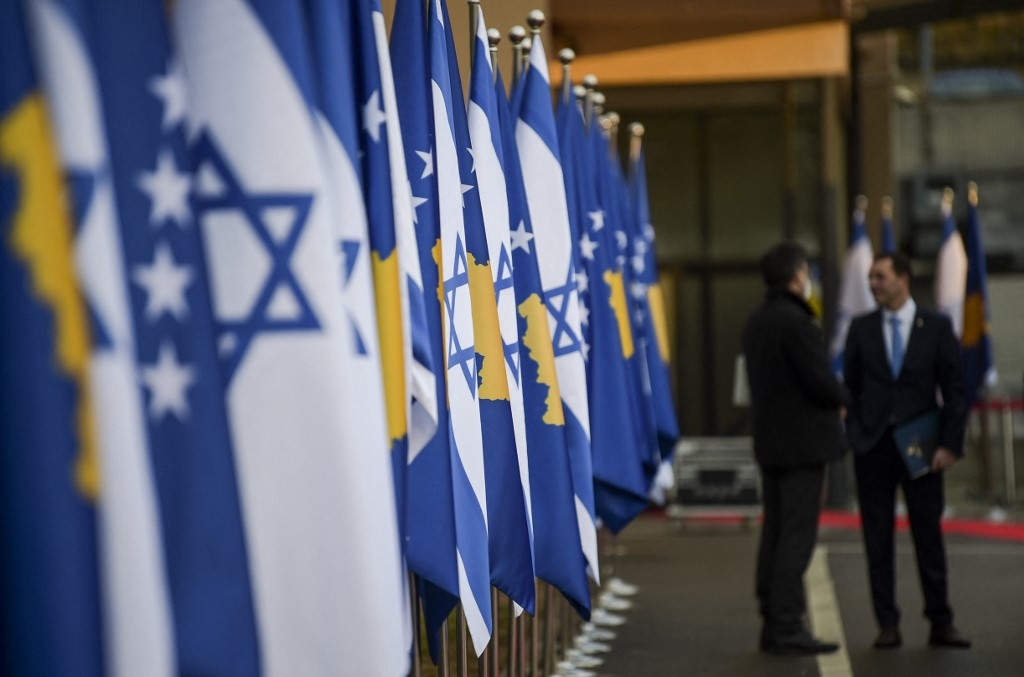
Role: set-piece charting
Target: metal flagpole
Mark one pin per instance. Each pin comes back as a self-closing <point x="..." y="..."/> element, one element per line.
<point x="442" y="654"/>
<point x="417" y="667"/>
<point x="566" y="56"/>
<point x="535" y="20"/>
<point x="589" y="83"/>
<point x="513" y="641"/>
<point x="524" y="56"/>
<point x="613" y="134"/>
<point x="474" y="21"/>
<point x="542" y="595"/>
<point x="550" y="630"/>
<point x="493" y="38"/>
<point x="516" y="35"/>
<point x="461" y="644"/>
<point x="495" y="669"/>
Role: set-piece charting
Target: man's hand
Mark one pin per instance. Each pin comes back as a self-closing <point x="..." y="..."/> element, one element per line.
<point x="943" y="459"/>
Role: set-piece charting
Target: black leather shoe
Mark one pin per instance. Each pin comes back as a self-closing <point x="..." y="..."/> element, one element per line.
<point x="799" y="644"/>
<point x="889" y="638"/>
<point x="949" y="637"/>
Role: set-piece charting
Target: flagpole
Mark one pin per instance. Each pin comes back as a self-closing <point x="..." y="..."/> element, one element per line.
<point x="493" y="39"/>
<point x="417" y="667"/>
<point x="542" y="595"/>
<point x="513" y="640"/>
<point x="566" y="56"/>
<point x="461" y="644"/>
<point x="474" y="22"/>
<point x="613" y="134"/>
<point x="495" y="664"/>
<point x="535" y="20"/>
<point x="985" y="457"/>
<point x="516" y="35"/>
<point x="589" y="84"/>
<point x="442" y="654"/>
<point x="524" y="56"/>
<point x="636" y="140"/>
<point x="550" y="629"/>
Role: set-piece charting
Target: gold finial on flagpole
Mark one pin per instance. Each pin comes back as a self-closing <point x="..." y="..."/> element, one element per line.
<point x="887" y="208"/>
<point x="947" y="201"/>
<point x="516" y="35"/>
<point x="972" y="193"/>
<point x="493" y="39"/>
<point x="566" y="56"/>
<point x="636" y="139"/>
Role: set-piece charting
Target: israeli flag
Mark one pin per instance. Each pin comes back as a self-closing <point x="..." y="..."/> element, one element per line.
<point x="951" y="270"/>
<point x="460" y="354"/>
<point x="855" y="297"/>
<point x="317" y="495"/>
<point x="546" y="200"/>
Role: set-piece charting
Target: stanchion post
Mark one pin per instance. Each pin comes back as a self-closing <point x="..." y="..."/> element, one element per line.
<point x="1009" y="463"/>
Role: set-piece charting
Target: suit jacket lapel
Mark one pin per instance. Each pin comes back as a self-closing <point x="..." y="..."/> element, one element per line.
<point x="916" y="329"/>
<point x="878" y="341"/>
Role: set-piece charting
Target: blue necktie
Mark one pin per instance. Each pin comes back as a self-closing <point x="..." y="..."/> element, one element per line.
<point x="897" y="346"/>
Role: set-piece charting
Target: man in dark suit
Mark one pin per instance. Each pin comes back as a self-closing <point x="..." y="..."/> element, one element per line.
<point x="896" y="358"/>
<point x="796" y="404"/>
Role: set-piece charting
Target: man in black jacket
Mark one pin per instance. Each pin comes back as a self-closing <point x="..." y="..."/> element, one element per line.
<point x="796" y="404"/>
<point x="896" y="358"/>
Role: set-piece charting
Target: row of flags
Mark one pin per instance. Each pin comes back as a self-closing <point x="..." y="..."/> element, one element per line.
<point x="286" y="318"/>
<point x="961" y="290"/>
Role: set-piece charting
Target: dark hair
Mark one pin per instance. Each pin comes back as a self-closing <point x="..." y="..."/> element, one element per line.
<point x="780" y="263"/>
<point x="900" y="263"/>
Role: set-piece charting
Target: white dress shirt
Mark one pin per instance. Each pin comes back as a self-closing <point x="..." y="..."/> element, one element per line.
<point x="906" y="317"/>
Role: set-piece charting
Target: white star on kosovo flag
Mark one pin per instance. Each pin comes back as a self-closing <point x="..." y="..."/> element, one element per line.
<point x="587" y="247"/>
<point x="165" y="284"/>
<point x="373" y="117"/>
<point x="428" y="162"/>
<point x="168" y="191"/>
<point x="521" y="237"/>
<point x="167" y="381"/>
<point x="597" y="220"/>
<point x="172" y="92"/>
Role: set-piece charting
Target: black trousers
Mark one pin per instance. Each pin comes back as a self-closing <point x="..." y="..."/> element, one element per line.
<point x="792" y="504"/>
<point x="879" y="472"/>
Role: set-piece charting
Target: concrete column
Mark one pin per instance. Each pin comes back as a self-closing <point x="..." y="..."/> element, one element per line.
<point x="878" y="66"/>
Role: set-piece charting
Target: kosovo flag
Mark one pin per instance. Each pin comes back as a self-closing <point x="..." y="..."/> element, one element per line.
<point x="976" y="342"/>
<point x="50" y="619"/>
<point x="558" y="552"/>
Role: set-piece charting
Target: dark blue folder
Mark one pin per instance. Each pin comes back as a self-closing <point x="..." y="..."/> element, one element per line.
<point x="917" y="440"/>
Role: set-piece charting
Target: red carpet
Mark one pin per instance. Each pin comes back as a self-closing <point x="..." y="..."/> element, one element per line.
<point x="832" y="519"/>
<point x="1004" y="531"/>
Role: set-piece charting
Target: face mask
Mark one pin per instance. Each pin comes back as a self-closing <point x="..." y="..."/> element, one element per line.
<point x="808" y="289"/>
